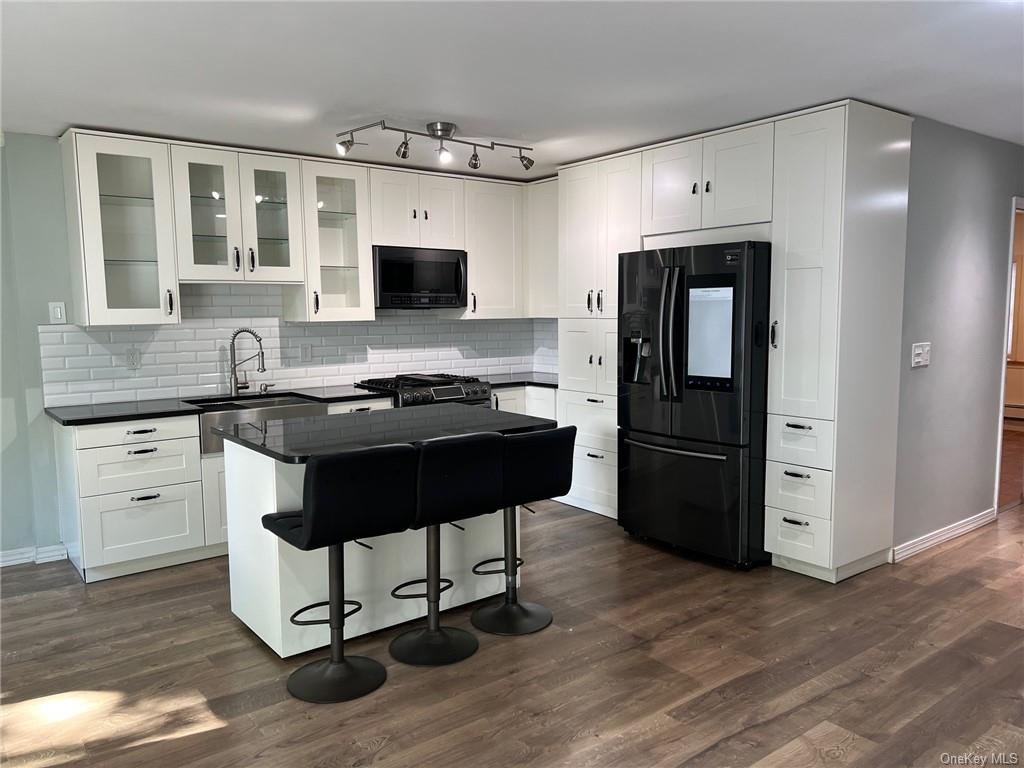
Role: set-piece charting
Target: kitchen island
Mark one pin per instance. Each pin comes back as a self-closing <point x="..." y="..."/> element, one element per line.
<point x="270" y="580"/>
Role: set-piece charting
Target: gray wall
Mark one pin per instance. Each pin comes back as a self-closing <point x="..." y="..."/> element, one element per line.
<point x="958" y="239"/>
<point x="34" y="255"/>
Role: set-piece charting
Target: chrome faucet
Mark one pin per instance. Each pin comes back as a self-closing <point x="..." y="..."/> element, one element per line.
<point x="260" y="367"/>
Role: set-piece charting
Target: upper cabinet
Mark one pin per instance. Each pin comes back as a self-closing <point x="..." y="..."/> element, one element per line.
<point x="719" y="181"/>
<point x="339" y="257"/>
<point x="121" y="230"/>
<point x="599" y="218"/>
<point x="238" y="216"/>
<point x="541" y="245"/>
<point x="494" y="249"/>
<point x="417" y="210"/>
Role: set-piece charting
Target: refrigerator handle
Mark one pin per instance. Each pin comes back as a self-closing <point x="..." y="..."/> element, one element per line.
<point x="661" y="330"/>
<point x="671" y="331"/>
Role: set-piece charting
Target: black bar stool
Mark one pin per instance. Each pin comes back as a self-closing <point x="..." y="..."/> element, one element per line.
<point x="459" y="477"/>
<point x="346" y="496"/>
<point x="538" y="465"/>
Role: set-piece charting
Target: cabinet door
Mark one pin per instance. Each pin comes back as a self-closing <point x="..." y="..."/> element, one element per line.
<point x="579" y="211"/>
<point x="442" y="203"/>
<point x="738" y="177"/>
<point x="127" y="225"/>
<point x="494" y="228"/>
<point x="607" y="338"/>
<point x="577" y="360"/>
<point x="271" y="218"/>
<point x="207" y="213"/>
<point x="620" y="227"/>
<point x="394" y="208"/>
<point x="541" y="247"/>
<point x="671" y="192"/>
<point x="215" y="509"/>
<point x="339" y="257"/>
<point x="510" y="400"/>
<point x="805" y="264"/>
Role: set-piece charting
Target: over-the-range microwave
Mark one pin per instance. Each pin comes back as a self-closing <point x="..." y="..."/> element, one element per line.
<point x="419" y="278"/>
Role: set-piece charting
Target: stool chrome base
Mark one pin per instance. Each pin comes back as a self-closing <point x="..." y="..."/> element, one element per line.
<point x="433" y="647"/>
<point x="505" y="618"/>
<point x="325" y="681"/>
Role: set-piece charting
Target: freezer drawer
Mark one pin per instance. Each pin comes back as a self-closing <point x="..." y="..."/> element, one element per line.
<point x="691" y="495"/>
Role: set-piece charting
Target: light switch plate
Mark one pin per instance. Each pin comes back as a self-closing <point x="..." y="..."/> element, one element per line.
<point x="58" y="313"/>
<point x="920" y="354"/>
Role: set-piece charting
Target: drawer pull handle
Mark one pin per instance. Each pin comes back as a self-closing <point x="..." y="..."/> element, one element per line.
<point x="595" y="455"/>
<point x="594" y="400"/>
<point x="791" y="425"/>
<point x="148" y="431"/>
<point x="142" y="450"/>
<point x="802" y="476"/>
<point x="360" y="410"/>
<point x="794" y="522"/>
<point x="148" y="497"/>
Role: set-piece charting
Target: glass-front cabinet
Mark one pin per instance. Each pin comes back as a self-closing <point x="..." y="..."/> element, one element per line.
<point x="271" y="218"/>
<point x="339" y="266"/>
<point x="122" y="226"/>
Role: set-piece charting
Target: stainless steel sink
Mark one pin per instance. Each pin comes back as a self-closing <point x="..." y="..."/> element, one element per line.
<point x="226" y="412"/>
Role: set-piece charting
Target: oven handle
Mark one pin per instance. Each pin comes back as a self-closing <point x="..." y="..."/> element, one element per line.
<point x="676" y="451"/>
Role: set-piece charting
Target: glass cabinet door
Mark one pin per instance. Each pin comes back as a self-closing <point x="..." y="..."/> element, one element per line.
<point x="339" y="267"/>
<point x="124" y="189"/>
<point x="271" y="218"/>
<point x="207" y="213"/>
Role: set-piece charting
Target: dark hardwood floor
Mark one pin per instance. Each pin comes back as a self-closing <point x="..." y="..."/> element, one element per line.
<point x="653" y="660"/>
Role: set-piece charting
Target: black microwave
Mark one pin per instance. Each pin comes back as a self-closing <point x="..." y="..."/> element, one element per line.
<point x="419" y="278"/>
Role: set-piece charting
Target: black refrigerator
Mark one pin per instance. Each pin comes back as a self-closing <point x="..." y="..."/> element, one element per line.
<point x="693" y="368"/>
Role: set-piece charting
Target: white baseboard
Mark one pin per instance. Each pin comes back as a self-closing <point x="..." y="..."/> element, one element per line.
<point x="920" y="544"/>
<point x="33" y="555"/>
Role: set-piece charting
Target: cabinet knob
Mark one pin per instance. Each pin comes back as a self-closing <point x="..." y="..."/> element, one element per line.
<point x="707" y="186"/>
<point x="694" y="190"/>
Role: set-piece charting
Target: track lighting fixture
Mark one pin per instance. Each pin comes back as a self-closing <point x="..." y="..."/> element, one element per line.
<point x="440" y="131"/>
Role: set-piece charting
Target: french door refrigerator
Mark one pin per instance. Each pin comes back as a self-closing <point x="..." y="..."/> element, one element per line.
<point x="693" y="366"/>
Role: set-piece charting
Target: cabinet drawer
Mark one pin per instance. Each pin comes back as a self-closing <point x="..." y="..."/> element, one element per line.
<point x="142" y="465"/>
<point x="594" y="416"/>
<point x="800" y="537"/>
<point x="360" y="406"/>
<point x="153" y="521"/>
<point x="595" y="480"/>
<point x="807" y="442"/>
<point x="798" y="489"/>
<point x="141" y="431"/>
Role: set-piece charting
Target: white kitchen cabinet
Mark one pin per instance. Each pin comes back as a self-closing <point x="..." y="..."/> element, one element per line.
<point x="672" y="188"/>
<point x="737" y="171"/>
<point x="494" y="249"/>
<point x="540" y="402"/>
<point x="510" y="399"/>
<point x="361" y="406"/>
<point x="587" y="359"/>
<point x="121" y="230"/>
<point x="595" y="457"/>
<point x="599" y="218"/>
<point x="595" y="417"/>
<point x="541" y="249"/>
<point x="215" y="505"/>
<point x="339" y="256"/>
<point x="271" y="194"/>
<point x="417" y="210"/>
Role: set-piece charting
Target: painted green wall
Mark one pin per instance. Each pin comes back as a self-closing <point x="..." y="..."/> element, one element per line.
<point x="33" y="271"/>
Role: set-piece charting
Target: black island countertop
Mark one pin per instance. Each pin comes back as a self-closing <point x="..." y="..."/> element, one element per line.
<point x="293" y="441"/>
<point x="129" y="410"/>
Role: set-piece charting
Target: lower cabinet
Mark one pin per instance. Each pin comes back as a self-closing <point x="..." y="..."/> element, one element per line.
<point x="595" y="459"/>
<point x="527" y="400"/>
<point x="215" y="507"/>
<point x="361" y="406"/>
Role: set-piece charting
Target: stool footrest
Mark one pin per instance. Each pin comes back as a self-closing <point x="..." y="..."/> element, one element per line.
<point x="478" y="569"/>
<point x="446" y="584"/>
<point x="357" y="607"/>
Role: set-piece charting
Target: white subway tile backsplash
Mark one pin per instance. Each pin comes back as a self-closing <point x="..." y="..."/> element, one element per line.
<point x="83" y="365"/>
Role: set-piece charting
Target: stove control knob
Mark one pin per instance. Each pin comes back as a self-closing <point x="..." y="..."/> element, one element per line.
<point x="407" y="398"/>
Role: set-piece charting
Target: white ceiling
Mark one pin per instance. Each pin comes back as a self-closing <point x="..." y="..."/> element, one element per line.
<point x="571" y="79"/>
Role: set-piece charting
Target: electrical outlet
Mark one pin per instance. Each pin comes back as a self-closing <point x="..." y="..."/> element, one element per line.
<point x="58" y="313"/>
<point x="920" y="354"/>
<point x="133" y="358"/>
<point x="306" y="353"/>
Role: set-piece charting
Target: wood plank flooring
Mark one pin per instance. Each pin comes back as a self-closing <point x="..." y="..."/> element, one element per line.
<point x="653" y="660"/>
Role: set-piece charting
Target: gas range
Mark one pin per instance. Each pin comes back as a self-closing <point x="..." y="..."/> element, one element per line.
<point x="426" y="388"/>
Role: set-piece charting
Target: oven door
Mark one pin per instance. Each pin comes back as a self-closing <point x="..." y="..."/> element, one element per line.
<point x="419" y="278"/>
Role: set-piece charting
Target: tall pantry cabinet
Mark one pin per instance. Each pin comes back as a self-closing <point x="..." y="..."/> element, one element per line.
<point x="838" y="231"/>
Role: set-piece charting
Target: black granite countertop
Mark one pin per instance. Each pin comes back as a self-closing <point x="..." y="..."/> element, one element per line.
<point x="293" y="441"/>
<point x="502" y="380"/>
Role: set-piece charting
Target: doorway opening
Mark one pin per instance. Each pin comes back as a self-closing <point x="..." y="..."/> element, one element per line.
<point x="1010" y="472"/>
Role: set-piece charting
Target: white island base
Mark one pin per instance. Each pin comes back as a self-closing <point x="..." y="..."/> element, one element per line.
<point x="270" y="579"/>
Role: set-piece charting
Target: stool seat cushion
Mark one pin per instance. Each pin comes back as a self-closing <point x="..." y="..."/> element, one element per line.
<point x="286" y="525"/>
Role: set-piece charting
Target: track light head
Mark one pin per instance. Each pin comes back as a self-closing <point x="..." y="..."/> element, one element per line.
<point x="474" y="160"/>
<point x="402" y="153"/>
<point x="444" y="156"/>
<point x="525" y="160"/>
<point x="344" y="147"/>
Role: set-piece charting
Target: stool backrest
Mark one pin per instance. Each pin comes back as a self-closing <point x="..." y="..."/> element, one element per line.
<point x="538" y="465"/>
<point x="358" y="494"/>
<point x="459" y="477"/>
